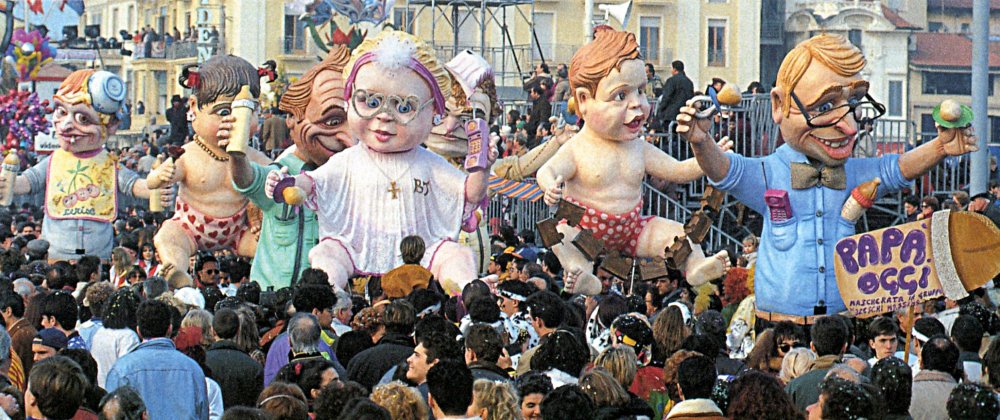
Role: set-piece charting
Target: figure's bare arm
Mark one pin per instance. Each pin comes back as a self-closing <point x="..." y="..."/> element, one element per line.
<point x="663" y="166"/>
<point x="562" y="166"/>
<point x="21" y="185"/>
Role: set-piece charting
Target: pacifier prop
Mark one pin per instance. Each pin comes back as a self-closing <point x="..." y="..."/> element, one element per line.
<point x="951" y="114"/>
<point x="714" y="101"/>
<point x="285" y="192"/>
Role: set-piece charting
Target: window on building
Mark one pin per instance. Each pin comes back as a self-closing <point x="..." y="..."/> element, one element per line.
<point x="294" y="34"/>
<point x="935" y="27"/>
<point x="649" y="38"/>
<point x="965" y="28"/>
<point x="114" y="24"/>
<point x="895" y="98"/>
<point x="402" y="18"/>
<point x="950" y="83"/>
<point x="927" y="129"/>
<point x="161" y="89"/>
<point x="994" y="130"/>
<point x="717" y="42"/>
<point x="544" y="24"/>
<point x="854" y="35"/>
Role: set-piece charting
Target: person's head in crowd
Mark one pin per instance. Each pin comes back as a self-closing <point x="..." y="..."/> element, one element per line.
<point x="967" y="333"/>
<point x="449" y="384"/>
<point x="970" y="401"/>
<point x="38" y="250"/>
<point x="620" y="362"/>
<point x="940" y="354"/>
<point x="412" y="248"/>
<point x="315" y="300"/>
<point x="88" y="269"/>
<point x="121" y="309"/>
<point x="402" y="402"/>
<point x="351" y="343"/>
<point x="894" y="379"/>
<point x="206" y="268"/>
<point x="97" y="294"/>
<point x="474" y="290"/>
<point x="796" y="362"/>
<point x="883" y="337"/>
<point x="47" y="343"/>
<point x="603" y="389"/>
<point x="399" y="317"/>
<point x="829" y="336"/>
<point x="923" y="329"/>
<point x="249" y="292"/>
<point x="547" y="311"/>
<point x="696" y="377"/>
<point x="154" y="320"/>
<point x="26" y="228"/>
<point x="59" y="311"/>
<point x="239" y="412"/>
<point x="757" y="395"/>
<point x="567" y="402"/>
<point x="533" y="387"/>
<point x="124" y="403"/>
<point x="88" y="365"/>
<point x="482" y="344"/>
<point x="844" y="371"/>
<point x="226" y="324"/>
<point x="633" y="330"/>
<point x="843" y="399"/>
<point x="25" y="287"/>
<point x="494" y="400"/>
<point x="282" y="400"/>
<point x="425" y="301"/>
<point x="669" y="331"/>
<point x="11" y="306"/>
<point x="364" y="408"/>
<point x="304" y="334"/>
<point x="334" y="397"/>
<point x="670" y="371"/>
<point x="484" y="309"/>
<point x="512" y="296"/>
<point x="153" y="287"/>
<point x="929" y="205"/>
<point x="310" y="376"/>
<point x="562" y="351"/>
<point x="991" y="364"/>
<point x="610" y="308"/>
<point x="987" y="318"/>
<point x="370" y="321"/>
<point x="701" y="343"/>
<point x="56" y="388"/>
<point x="431" y="349"/>
<point x="202" y="319"/>
<point x="212" y="296"/>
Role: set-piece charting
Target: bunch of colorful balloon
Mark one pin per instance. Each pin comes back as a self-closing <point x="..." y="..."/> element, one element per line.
<point x="23" y="115"/>
<point x="30" y="51"/>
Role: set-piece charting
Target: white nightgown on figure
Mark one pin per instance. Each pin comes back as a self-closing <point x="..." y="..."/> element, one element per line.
<point x="353" y="199"/>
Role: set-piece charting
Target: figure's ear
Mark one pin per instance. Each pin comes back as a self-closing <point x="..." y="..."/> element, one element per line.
<point x="583" y="95"/>
<point x="192" y="103"/>
<point x="776" y="104"/>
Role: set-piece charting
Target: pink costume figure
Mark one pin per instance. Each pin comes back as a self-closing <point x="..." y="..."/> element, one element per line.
<point x="368" y="197"/>
<point x="210" y="214"/>
<point x="603" y="166"/>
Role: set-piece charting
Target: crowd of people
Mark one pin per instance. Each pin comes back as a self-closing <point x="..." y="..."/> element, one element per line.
<point x="113" y="340"/>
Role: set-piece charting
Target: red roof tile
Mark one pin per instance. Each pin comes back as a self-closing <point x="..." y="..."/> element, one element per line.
<point x="946" y="50"/>
<point x="898" y="20"/>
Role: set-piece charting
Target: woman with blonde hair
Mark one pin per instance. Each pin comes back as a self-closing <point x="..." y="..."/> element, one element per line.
<point x="121" y="261"/>
<point x="494" y="401"/>
<point x="795" y="363"/>
<point x="202" y="319"/>
<point x="620" y="362"/>
<point x="402" y="402"/>
<point x="669" y="331"/>
<point x="611" y="398"/>
<point x="282" y="400"/>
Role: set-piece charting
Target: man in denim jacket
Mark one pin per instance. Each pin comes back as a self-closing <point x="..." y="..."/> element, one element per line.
<point x="817" y="104"/>
<point x="171" y="384"/>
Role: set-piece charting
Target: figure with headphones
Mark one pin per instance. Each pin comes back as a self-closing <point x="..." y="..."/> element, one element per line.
<point x="81" y="179"/>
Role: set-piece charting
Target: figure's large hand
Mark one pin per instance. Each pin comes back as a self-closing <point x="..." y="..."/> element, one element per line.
<point x="694" y="130"/>
<point x="554" y="194"/>
<point x="272" y="181"/>
<point x="725" y="144"/>
<point x="562" y="135"/>
<point x="162" y="175"/>
<point x="957" y="141"/>
<point x="225" y="130"/>
<point x="494" y="152"/>
<point x="166" y="196"/>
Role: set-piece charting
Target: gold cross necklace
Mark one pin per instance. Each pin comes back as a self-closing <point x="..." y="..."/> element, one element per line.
<point x="393" y="188"/>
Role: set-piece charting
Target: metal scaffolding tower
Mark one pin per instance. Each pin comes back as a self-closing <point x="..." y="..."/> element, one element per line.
<point x="468" y="19"/>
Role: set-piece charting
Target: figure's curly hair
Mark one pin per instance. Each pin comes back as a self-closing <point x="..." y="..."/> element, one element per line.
<point x="500" y="397"/>
<point x="296" y="98"/>
<point x="757" y="395"/>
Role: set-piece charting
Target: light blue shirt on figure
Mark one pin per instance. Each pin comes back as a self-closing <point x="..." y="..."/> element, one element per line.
<point x="795" y="260"/>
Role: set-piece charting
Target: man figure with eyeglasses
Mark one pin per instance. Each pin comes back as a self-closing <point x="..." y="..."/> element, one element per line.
<point x="803" y="185"/>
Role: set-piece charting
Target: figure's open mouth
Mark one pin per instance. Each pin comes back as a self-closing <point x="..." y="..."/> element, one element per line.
<point x="636" y="123"/>
<point x="840" y="148"/>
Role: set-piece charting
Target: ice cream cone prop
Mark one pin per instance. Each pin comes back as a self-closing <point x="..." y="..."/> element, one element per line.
<point x="243" y="107"/>
<point x="11" y="166"/>
<point x="900" y="266"/>
<point x="861" y="199"/>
